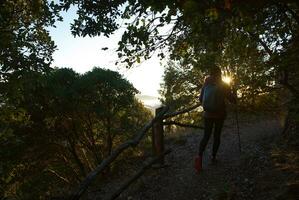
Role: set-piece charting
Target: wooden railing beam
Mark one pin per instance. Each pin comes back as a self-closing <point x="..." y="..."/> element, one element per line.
<point x="106" y="162"/>
<point x="182" y="125"/>
<point x="173" y="114"/>
<point x="158" y="139"/>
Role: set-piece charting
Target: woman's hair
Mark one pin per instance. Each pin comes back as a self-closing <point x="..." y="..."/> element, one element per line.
<point x="215" y="71"/>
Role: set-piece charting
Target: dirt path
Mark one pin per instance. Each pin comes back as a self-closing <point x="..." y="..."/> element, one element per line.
<point x="251" y="175"/>
<point x="233" y="177"/>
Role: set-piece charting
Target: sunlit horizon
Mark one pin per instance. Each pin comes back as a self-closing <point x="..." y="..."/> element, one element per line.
<point x="83" y="54"/>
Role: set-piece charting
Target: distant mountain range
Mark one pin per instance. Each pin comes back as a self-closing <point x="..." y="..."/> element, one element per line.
<point x="149" y="102"/>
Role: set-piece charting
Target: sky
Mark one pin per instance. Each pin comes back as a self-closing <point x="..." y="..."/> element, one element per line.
<point x="82" y="54"/>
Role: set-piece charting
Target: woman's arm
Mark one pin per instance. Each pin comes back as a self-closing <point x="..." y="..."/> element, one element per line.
<point x="201" y="94"/>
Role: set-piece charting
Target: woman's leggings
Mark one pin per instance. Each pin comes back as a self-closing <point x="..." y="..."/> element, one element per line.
<point x="209" y="123"/>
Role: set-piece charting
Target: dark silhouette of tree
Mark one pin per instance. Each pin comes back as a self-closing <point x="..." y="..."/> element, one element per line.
<point x="58" y="126"/>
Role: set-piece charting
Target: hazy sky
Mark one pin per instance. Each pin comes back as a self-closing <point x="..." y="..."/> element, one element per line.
<point x="82" y="54"/>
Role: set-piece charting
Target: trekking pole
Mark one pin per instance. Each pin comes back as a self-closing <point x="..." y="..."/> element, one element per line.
<point x="237" y="124"/>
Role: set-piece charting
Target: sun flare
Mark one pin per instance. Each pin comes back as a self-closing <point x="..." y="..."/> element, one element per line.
<point x="226" y="79"/>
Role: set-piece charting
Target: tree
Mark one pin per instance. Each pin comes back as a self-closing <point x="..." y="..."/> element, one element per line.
<point x="203" y="33"/>
<point x="109" y="98"/>
<point x="181" y="89"/>
<point x="25" y="44"/>
<point x="58" y="126"/>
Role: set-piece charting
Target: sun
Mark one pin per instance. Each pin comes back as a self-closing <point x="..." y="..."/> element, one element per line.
<point x="227" y="79"/>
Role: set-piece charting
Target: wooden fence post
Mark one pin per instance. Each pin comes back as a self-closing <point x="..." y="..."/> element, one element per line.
<point x="158" y="137"/>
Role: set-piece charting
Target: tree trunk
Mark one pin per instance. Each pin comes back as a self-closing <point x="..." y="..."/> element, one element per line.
<point x="72" y="149"/>
<point x="109" y="145"/>
<point x="109" y="139"/>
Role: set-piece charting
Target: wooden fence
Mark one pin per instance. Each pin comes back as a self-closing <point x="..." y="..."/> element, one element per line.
<point x="157" y="123"/>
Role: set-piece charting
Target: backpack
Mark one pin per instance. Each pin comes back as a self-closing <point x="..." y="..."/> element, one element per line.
<point x="213" y="98"/>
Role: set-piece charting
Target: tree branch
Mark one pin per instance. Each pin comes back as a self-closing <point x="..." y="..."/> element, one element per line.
<point x="58" y="175"/>
<point x="285" y="81"/>
<point x="169" y="115"/>
<point x="182" y="125"/>
<point x="267" y="49"/>
<point x="292" y="12"/>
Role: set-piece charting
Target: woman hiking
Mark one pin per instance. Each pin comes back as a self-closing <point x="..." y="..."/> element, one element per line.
<point x="212" y="97"/>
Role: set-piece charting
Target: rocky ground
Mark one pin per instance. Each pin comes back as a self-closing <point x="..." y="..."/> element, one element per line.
<point x="251" y="174"/>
